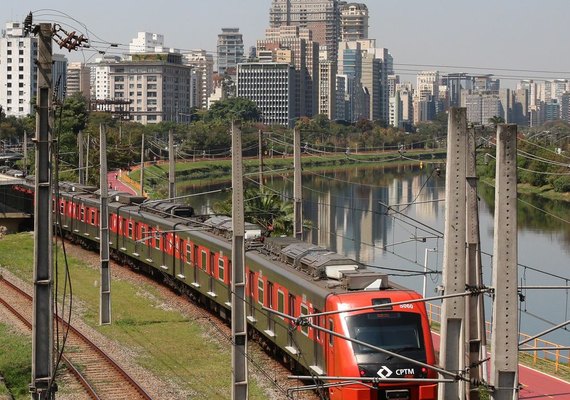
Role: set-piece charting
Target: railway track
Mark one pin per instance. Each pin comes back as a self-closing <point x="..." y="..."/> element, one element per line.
<point x="100" y="377"/>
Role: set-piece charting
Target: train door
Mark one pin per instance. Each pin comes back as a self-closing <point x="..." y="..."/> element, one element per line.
<point x="270" y="304"/>
<point x="330" y="343"/>
<point x="211" y="270"/>
<point x="195" y="263"/>
<point x="292" y="311"/>
<point x="229" y="284"/>
<point x="318" y="340"/>
<point x="182" y="273"/>
<point x="136" y="238"/>
<point x="252" y="285"/>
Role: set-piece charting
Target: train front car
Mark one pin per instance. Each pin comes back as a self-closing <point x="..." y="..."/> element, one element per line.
<point x="400" y="329"/>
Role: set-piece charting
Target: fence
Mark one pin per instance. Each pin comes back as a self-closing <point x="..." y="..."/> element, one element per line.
<point x="559" y="358"/>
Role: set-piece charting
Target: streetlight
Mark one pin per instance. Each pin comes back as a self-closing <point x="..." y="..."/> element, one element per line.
<point x="426" y="269"/>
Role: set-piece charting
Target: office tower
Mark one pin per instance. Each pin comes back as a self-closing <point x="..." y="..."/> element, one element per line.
<point x="481" y="107"/>
<point x="59" y="73"/>
<point x="353" y="22"/>
<point x="327" y="85"/>
<point x="230" y="50"/>
<point x="78" y="79"/>
<point x="203" y="67"/>
<point x="294" y="45"/>
<point x="271" y="86"/>
<point x="322" y="17"/>
<point x="156" y="87"/>
<point x="146" y="42"/>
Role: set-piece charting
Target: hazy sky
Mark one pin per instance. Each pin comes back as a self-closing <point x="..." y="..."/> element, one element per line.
<point x="495" y="34"/>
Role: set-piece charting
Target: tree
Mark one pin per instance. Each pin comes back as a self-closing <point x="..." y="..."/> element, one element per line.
<point x="235" y="108"/>
<point x="496" y="120"/>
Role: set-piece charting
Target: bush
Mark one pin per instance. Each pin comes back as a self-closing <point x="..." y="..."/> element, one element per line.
<point x="562" y="184"/>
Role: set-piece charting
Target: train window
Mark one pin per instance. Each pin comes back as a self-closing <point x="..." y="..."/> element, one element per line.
<point x="92" y="217"/>
<point x="389" y="330"/>
<point x="221" y="268"/>
<point x="143" y="234"/>
<point x="157" y="236"/>
<point x="331" y="328"/>
<point x="61" y="208"/>
<point x="130" y="232"/>
<point x="204" y="259"/>
<point x="280" y="302"/>
<point x="292" y="307"/>
<point x="270" y="302"/>
<point x="260" y="287"/>
<point x="82" y="215"/>
<point x="317" y="322"/>
<point x="188" y="252"/>
<point x="304" y="311"/>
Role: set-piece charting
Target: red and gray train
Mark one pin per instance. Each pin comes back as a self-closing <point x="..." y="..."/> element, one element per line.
<point x="283" y="274"/>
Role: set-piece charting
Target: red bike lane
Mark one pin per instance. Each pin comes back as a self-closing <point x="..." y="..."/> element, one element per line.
<point x="115" y="184"/>
<point x="534" y="384"/>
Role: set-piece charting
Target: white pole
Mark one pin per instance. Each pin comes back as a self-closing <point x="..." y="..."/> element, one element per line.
<point x="426" y="270"/>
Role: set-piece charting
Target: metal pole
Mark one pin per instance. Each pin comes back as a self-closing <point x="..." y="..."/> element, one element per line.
<point x="260" y="155"/>
<point x="87" y="159"/>
<point x="475" y="313"/>
<point x="504" y="341"/>
<point x="105" y="298"/>
<point x="297" y="190"/>
<point x="171" y="166"/>
<point x="25" y="153"/>
<point x="452" y="355"/>
<point x="42" y="387"/>
<point x="142" y="166"/>
<point x="239" y="324"/>
<point x="530" y="339"/>
<point x="80" y="149"/>
<point x="424" y="289"/>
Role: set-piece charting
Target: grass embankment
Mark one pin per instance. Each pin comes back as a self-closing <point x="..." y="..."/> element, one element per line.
<point x="196" y="173"/>
<point x="167" y="343"/>
<point x="15" y="363"/>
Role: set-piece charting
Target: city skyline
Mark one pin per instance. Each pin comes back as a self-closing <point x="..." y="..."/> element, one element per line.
<point x="513" y="39"/>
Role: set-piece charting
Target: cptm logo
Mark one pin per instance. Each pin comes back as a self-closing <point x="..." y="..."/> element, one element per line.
<point x="384" y="372"/>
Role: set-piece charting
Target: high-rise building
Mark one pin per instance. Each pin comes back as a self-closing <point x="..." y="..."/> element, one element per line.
<point x="353" y="22"/>
<point x="203" y="67"/>
<point x="18" y="76"/>
<point x="230" y="50"/>
<point x="156" y="86"/>
<point x="100" y="86"/>
<point x="146" y="42"/>
<point x="481" y="107"/>
<point x="295" y="45"/>
<point x="59" y="73"/>
<point x="327" y="84"/>
<point x="271" y="86"/>
<point x="322" y="17"/>
<point x="78" y="79"/>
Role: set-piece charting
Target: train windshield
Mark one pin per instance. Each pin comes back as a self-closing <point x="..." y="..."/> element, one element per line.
<point x="394" y="331"/>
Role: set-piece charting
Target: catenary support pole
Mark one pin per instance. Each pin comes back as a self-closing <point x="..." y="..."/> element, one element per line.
<point x="452" y="355"/>
<point x="105" y="298"/>
<point x="239" y="324"/>
<point x="298" y="188"/>
<point x="171" y="166"/>
<point x="25" y="153"/>
<point x="87" y="158"/>
<point x="260" y="156"/>
<point x="475" y="313"/>
<point x="80" y="168"/>
<point x="42" y="387"/>
<point x="142" y="166"/>
<point x="504" y="344"/>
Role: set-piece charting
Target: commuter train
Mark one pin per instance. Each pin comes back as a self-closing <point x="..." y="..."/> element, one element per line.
<point x="287" y="275"/>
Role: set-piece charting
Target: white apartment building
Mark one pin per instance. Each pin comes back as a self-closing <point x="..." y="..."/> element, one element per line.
<point x="18" y="75"/>
<point x="158" y="87"/>
<point x="427" y="85"/>
<point x="353" y="22"/>
<point x="146" y="42"/>
<point x="203" y="66"/>
<point x="230" y="49"/>
<point x="271" y="86"/>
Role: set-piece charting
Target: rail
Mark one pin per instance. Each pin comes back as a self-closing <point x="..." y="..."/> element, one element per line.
<point x="559" y="358"/>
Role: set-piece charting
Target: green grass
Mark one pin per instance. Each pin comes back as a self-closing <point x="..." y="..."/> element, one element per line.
<point x="165" y="342"/>
<point x="15" y="363"/>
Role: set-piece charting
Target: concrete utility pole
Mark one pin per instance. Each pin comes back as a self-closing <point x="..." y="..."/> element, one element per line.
<point x="297" y="183"/>
<point x="42" y="386"/>
<point x="87" y="159"/>
<point x="504" y="341"/>
<point x="260" y="155"/>
<point x="81" y="165"/>
<point x="239" y="324"/>
<point x="142" y="166"/>
<point x="452" y="355"/>
<point x="171" y="166"/>
<point x="105" y="298"/>
<point x="475" y="310"/>
<point x="25" y="153"/>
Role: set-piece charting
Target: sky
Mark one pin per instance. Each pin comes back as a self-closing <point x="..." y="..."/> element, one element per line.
<point x="514" y="39"/>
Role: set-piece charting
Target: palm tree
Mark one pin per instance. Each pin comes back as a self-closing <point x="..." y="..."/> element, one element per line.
<point x="496" y="120"/>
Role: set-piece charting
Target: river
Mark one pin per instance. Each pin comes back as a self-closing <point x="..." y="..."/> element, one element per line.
<point x="349" y="214"/>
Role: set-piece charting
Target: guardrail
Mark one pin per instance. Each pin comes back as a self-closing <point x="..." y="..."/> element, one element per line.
<point x="559" y="358"/>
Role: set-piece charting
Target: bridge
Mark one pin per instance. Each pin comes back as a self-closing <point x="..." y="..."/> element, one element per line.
<point x="12" y="215"/>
